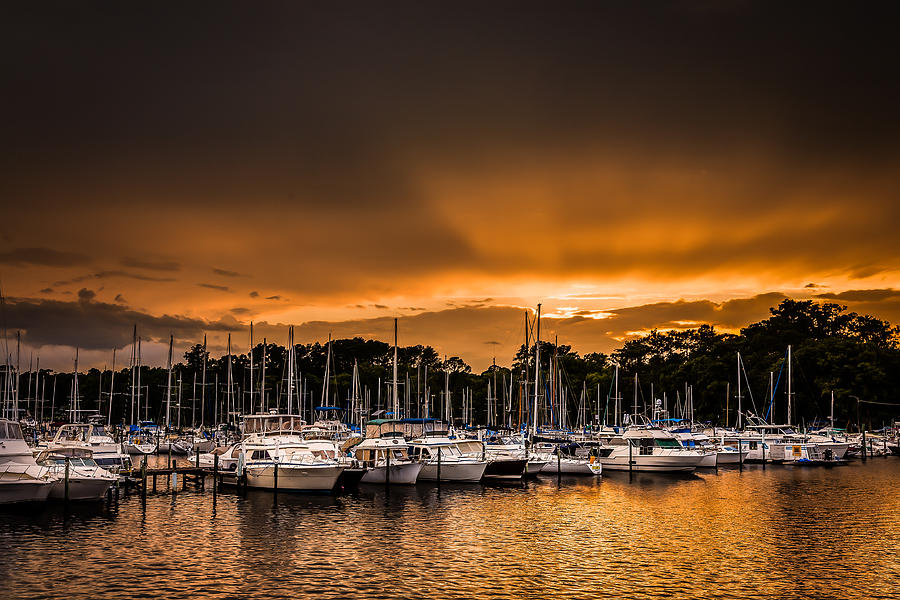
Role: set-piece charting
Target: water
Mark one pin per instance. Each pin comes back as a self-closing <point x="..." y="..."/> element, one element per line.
<point x="785" y="532"/>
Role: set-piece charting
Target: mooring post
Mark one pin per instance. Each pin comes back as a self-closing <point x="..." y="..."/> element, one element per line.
<point x="144" y="477"/>
<point x="439" y="466"/>
<point x="558" y="465"/>
<point x="215" y="473"/>
<point x="387" y="471"/>
<point x="68" y="461"/>
<point x="276" y="474"/>
<point x="864" y="444"/>
<point x="630" y="457"/>
<point x="174" y="477"/>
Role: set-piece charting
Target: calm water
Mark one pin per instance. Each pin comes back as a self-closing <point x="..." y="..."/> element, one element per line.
<point x="783" y="532"/>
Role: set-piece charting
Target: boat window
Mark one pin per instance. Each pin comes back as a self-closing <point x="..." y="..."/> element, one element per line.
<point x="259" y="455"/>
<point x="236" y="452"/>
<point x="2" y="430"/>
<point x="399" y="454"/>
<point x="13" y="431"/>
<point x="666" y="443"/>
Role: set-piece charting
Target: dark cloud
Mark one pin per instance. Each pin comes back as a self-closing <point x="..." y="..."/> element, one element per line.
<point x="226" y="273"/>
<point x="276" y="297"/>
<point x="86" y="295"/>
<point x="812" y="285"/>
<point x="44" y="257"/>
<point x="121" y="299"/>
<point x="254" y="294"/>
<point x="47" y="291"/>
<point x="162" y="265"/>
<point x="111" y="274"/>
<point x="98" y="325"/>
<point x="861" y="295"/>
<point x="240" y="310"/>
<point x="212" y="286"/>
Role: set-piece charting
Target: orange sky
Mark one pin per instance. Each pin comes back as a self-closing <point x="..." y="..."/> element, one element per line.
<point x="333" y="169"/>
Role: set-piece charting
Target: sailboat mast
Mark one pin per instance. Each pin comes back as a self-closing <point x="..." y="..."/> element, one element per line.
<point x="262" y="383"/>
<point x="789" y="387"/>
<point x="739" y="422"/>
<point x="395" y="394"/>
<point x="169" y="381"/>
<point x="537" y="372"/>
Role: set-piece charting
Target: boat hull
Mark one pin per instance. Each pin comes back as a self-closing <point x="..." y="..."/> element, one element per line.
<point x="569" y="466"/>
<point x="402" y="474"/>
<point x="659" y="464"/>
<point x="14" y="491"/>
<point x="451" y="471"/>
<point x="81" y="488"/>
<point x="294" y="478"/>
<point x="509" y="469"/>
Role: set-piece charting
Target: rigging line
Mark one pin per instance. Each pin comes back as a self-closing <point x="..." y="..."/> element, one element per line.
<point x="747" y="380"/>
<point x="879" y="403"/>
<point x="777" y="383"/>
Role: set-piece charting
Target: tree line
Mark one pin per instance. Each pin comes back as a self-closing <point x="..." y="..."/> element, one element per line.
<point x="854" y="356"/>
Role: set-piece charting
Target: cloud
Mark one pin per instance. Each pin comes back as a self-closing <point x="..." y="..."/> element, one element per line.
<point x="111" y="274"/>
<point x="212" y="286"/>
<point x="121" y="299"/>
<point x="240" y="310"/>
<point x="276" y="297"/>
<point x="162" y="265"/>
<point x="98" y="325"/>
<point x="254" y="294"/>
<point x="226" y="273"/>
<point x="44" y="257"/>
<point x="47" y="291"/>
<point x="861" y="295"/>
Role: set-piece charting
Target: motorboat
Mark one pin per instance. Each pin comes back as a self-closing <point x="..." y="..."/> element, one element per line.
<point x="21" y="478"/>
<point x="105" y="451"/>
<point x="443" y="460"/>
<point x="86" y="479"/>
<point x="647" y="449"/>
<point x="273" y="455"/>
<point x="386" y="459"/>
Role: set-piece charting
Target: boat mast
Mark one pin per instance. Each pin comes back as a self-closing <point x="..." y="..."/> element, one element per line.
<point x="169" y="381"/>
<point x="262" y="385"/>
<point x="74" y="404"/>
<point x="251" y="368"/>
<point x="229" y="380"/>
<point x="537" y="372"/>
<point x="739" y="422"/>
<point x="789" y="387"/>
<point x="325" y="383"/>
<point x="112" y="379"/>
<point x="203" y="387"/>
<point x="396" y="396"/>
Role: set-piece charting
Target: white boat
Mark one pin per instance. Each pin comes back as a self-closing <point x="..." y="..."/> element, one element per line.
<point x="443" y="460"/>
<point x="387" y="460"/>
<point x="86" y="479"/>
<point x="647" y="449"/>
<point x="273" y="455"/>
<point x="21" y="478"/>
<point x="104" y="450"/>
<point x="565" y="461"/>
<point x="699" y="442"/>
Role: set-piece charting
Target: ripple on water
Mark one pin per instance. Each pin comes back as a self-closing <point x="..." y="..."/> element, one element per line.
<point x="782" y="532"/>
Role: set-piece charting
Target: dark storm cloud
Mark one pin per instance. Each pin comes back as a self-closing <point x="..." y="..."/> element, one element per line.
<point x="44" y="257"/>
<point x="97" y="325"/>
<point x="161" y="265"/>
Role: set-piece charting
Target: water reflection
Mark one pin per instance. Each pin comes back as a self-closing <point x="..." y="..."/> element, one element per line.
<point x="779" y="532"/>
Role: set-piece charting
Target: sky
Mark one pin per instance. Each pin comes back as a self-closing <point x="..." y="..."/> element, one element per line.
<point x="630" y="166"/>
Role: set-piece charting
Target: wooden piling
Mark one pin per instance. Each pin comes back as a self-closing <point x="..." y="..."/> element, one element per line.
<point x="439" y="466"/>
<point x="144" y="477"/>
<point x="387" y="471"/>
<point x="276" y="475"/>
<point x="215" y="473"/>
<point x="68" y="461"/>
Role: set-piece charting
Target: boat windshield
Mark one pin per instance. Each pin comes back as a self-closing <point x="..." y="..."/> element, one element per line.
<point x="667" y="443"/>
